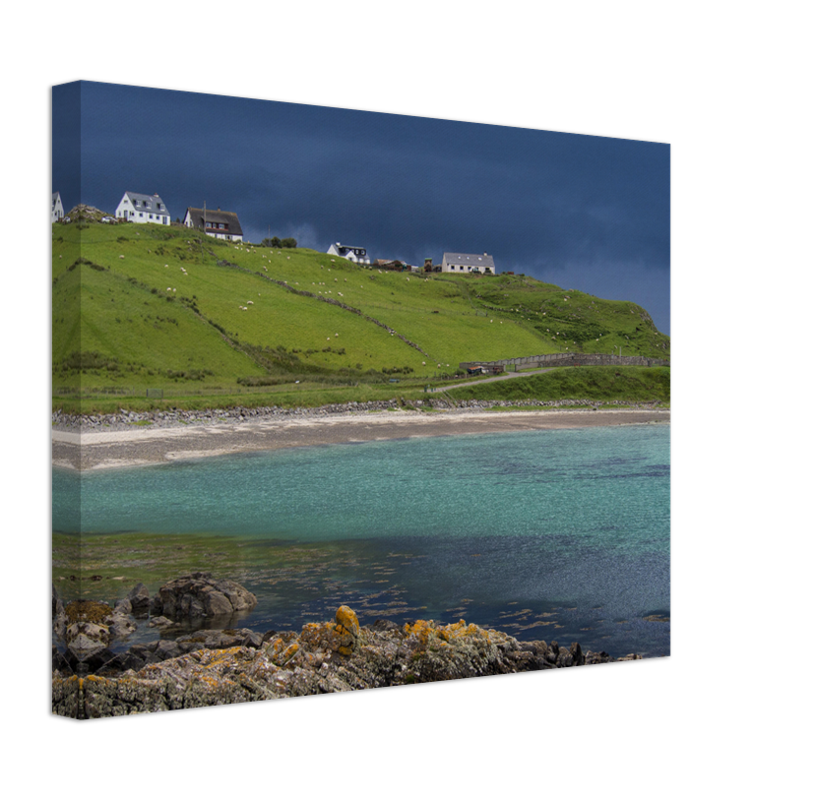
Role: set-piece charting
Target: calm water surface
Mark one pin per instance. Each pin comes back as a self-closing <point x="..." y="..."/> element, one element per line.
<point x="547" y="534"/>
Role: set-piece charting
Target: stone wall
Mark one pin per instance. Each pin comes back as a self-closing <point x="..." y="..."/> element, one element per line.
<point x="571" y="360"/>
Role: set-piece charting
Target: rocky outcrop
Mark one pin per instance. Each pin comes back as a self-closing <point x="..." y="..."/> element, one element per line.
<point x="139" y="599"/>
<point x="199" y="595"/>
<point x="325" y="657"/>
<point x="89" y="628"/>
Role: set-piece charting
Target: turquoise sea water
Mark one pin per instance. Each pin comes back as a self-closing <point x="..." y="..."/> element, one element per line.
<point x="548" y="535"/>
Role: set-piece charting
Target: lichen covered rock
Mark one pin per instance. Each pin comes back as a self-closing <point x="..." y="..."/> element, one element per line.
<point x="347" y="629"/>
<point x="325" y="657"/>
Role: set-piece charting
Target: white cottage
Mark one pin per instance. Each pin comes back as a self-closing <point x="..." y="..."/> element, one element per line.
<point x="220" y="224"/>
<point x="56" y="207"/>
<point x="466" y="262"/>
<point x="359" y="255"/>
<point x="135" y="207"/>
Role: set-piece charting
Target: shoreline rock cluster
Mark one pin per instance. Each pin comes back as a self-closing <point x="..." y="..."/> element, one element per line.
<point x="88" y="628"/>
<point x="216" y="666"/>
<point x="125" y="420"/>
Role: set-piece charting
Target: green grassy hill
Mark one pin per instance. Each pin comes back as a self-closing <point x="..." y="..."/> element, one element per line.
<point x="629" y="384"/>
<point x="145" y="306"/>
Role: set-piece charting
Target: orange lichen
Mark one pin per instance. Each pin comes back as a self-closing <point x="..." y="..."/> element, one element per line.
<point x="347" y="620"/>
<point x="422" y="630"/>
<point x="347" y="630"/>
<point x="289" y="651"/>
<point x="87" y="611"/>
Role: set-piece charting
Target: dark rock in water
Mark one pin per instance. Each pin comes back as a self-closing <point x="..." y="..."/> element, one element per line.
<point x="123" y="606"/>
<point x="160" y="622"/>
<point x="90" y="662"/>
<point x="139" y="598"/>
<point x="198" y="595"/>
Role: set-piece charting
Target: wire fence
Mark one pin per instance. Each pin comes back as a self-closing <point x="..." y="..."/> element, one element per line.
<point x="168" y="392"/>
<point x="157" y="392"/>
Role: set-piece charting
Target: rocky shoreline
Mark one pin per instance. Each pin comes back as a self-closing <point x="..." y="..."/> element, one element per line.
<point x="219" y="666"/>
<point x="125" y="420"/>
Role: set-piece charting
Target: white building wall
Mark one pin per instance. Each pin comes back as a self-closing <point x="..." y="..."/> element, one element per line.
<point x="349" y="256"/>
<point x="451" y="265"/>
<point x="229" y="237"/>
<point x="57" y="212"/>
<point x="128" y="211"/>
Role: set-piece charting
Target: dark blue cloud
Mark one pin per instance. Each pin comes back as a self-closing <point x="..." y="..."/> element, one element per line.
<point x="585" y="212"/>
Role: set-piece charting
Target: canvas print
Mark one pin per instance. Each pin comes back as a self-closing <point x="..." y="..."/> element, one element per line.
<point x="345" y="400"/>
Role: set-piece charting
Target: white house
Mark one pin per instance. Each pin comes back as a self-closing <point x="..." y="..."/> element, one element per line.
<point x="356" y="254"/>
<point x="56" y="207"/>
<point x="135" y="207"/>
<point x="220" y="224"/>
<point x="467" y="262"/>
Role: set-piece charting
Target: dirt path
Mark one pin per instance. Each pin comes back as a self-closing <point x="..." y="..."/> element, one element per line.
<point x="504" y="377"/>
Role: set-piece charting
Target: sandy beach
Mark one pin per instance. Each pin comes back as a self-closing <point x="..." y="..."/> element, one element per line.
<point x="143" y="445"/>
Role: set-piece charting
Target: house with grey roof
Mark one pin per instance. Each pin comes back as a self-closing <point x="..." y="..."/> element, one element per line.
<point x="135" y="207"/>
<point x="463" y="263"/>
<point x="57" y="212"/>
<point x="359" y="255"/>
<point x="217" y="223"/>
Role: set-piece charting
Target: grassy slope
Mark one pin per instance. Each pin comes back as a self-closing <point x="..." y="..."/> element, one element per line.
<point x="134" y="331"/>
<point x="634" y="384"/>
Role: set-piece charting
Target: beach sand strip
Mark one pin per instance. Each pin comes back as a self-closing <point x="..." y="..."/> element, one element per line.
<point x="142" y="445"/>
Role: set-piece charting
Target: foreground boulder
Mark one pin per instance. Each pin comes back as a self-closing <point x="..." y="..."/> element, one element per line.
<point x="198" y="595"/>
<point x="336" y="656"/>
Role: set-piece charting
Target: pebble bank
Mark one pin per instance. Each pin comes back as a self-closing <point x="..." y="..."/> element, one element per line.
<point x="125" y="420"/>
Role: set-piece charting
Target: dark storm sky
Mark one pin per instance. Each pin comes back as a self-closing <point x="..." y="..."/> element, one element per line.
<point x="584" y="212"/>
